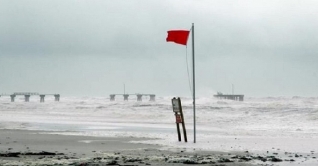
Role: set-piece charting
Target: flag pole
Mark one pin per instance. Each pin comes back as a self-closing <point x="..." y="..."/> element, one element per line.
<point x="193" y="72"/>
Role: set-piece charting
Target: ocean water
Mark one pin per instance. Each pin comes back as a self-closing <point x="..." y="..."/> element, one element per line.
<point x="286" y="124"/>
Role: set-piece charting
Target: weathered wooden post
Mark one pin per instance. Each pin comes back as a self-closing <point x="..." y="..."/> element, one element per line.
<point x="177" y="109"/>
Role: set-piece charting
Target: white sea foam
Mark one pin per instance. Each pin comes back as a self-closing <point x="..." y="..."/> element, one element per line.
<point x="258" y="124"/>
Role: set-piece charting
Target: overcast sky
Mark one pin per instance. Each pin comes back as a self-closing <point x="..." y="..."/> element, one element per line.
<point x="92" y="48"/>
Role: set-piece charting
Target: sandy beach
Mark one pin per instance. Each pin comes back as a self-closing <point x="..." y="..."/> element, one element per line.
<point x="22" y="147"/>
<point x="96" y="131"/>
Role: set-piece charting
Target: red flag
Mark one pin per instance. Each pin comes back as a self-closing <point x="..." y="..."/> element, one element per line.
<point x="178" y="36"/>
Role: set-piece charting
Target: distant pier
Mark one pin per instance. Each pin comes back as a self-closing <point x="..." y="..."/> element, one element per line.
<point x="139" y="96"/>
<point x="27" y="96"/>
<point x="230" y="97"/>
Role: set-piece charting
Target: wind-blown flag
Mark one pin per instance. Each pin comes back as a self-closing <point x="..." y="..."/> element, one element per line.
<point x="178" y="36"/>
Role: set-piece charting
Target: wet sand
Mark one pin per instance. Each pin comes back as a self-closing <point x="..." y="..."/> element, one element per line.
<point x="36" y="141"/>
<point x="23" y="147"/>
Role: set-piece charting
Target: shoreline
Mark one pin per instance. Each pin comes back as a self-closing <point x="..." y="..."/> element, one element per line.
<point x="35" y="140"/>
<point x="29" y="147"/>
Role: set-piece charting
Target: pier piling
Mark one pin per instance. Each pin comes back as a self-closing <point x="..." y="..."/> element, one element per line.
<point x="12" y="98"/>
<point x="152" y="97"/>
<point x="27" y="98"/>
<point x="230" y="97"/>
<point x="125" y="97"/>
<point x="42" y="98"/>
<point x="139" y="97"/>
<point x="112" y="97"/>
<point x="57" y="97"/>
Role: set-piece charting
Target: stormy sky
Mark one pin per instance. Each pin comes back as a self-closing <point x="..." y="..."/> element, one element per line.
<point x="92" y="48"/>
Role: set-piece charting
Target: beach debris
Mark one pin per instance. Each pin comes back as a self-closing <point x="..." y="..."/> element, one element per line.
<point x="11" y="154"/>
<point x="112" y="162"/>
<point x="131" y="159"/>
<point x="225" y="160"/>
<point x="244" y="158"/>
<point x="42" y="153"/>
<point x="17" y="154"/>
<point x="124" y="158"/>
<point x="274" y="159"/>
<point x="261" y="158"/>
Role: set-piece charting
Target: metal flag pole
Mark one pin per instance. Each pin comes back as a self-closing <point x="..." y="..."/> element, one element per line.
<point x="193" y="72"/>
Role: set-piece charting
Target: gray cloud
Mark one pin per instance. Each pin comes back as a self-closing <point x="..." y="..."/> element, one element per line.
<point x="92" y="47"/>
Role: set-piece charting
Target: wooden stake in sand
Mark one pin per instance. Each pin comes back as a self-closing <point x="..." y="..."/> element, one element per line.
<point x="177" y="109"/>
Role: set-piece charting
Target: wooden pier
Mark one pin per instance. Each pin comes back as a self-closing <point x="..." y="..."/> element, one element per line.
<point x="230" y="97"/>
<point x="27" y="96"/>
<point x="139" y="96"/>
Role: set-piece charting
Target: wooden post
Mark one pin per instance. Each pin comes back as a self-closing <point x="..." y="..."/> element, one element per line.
<point x="177" y="109"/>
<point x="183" y="124"/>
<point x="178" y="128"/>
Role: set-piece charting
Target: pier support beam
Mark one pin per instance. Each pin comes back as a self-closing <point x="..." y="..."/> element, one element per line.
<point x="12" y="98"/>
<point x="139" y="97"/>
<point x="112" y="97"/>
<point x="125" y="97"/>
<point x="42" y="98"/>
<point x="27" y="98"/>
<point x="57" y="97"/>
<point x="152" y="97"/>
